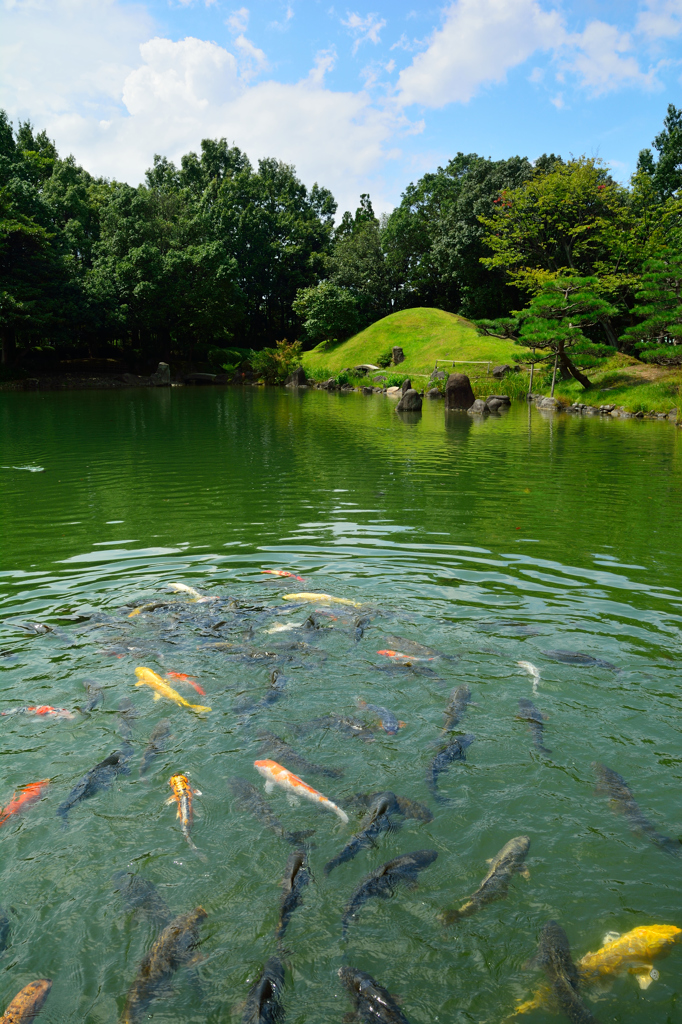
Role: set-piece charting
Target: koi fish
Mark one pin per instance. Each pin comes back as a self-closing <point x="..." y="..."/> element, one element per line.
<point x="371" y="1000"/>
<point x="146" y="677"/>
<point x="377" y="820"/>
<point x="389" y="722"/>
<point x="456" y="707"/>
<point x="283" y="572"/>
<point x="633" y="952"/>
<point x="182" y="795"/>
<point x="28" y="1003"/>
<point x="554" y="956"/>
<point x="95" y="780"/>
<point x="296" y="877"/>
<point x="405" y="659"/>
<point x="321" y="599"/>
<point x="150" y="606"/>
<point x="27" y="796"/>
<point x="275" y="775"/>
<point x="186" y="679"/>
<point x="156" y="745"/>
<point x="140" y="895"/>
<point x="533" y="671"/>
<point x="182" y="588"/>
<point x="383" y="882"/>
<point x="264" y="1001"/>
<point x="41" y="709"/>
<point x="503" y="866"/>
<point x="454" y="751"/>
<point x="529" y="713"/>
<point x="172" y="949"/>
<point x="623" y="801"/>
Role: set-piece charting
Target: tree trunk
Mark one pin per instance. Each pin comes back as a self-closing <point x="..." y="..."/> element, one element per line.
<point x="530" y="382"/>
<point x="556" y="360"/>
<point x="611" y="336"/>
<point x="573" y="370"/>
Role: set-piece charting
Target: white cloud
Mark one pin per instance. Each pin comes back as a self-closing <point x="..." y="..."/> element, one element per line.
<point x="478" y="43"/>
<point x="252" y="60"/>
<point x="238" y="21"/>
<point x="660" y="19"/>
<point x="365" y="30"/>
<point x="603" y="60"/>
<point x="186" y="77"/>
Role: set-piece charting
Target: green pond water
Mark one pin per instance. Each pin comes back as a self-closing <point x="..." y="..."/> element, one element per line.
<point x="489" y="542"/>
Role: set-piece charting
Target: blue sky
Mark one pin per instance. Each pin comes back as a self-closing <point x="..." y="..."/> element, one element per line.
<point x="360" y="97"/>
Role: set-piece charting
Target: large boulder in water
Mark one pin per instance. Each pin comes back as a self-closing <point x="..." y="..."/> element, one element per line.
<point x="410" y="402"/>
<point x="161" y="377"/>
<point x="458" y="392"/>
<point x="407" y="384"/>
<point x="296" y="378"/>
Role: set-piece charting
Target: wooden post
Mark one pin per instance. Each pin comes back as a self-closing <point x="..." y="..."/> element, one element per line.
<point x="556" y="360"/>
<point x="530" y="383"/>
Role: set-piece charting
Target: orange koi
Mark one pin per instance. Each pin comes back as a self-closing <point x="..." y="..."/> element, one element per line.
<point x="407" y="659"/>
<point x="283" y="572"/>
<point x="27" y="796"/>
<point x="186" y="679"/>
<point x="276" y="775"/>
<point x="41" y="709"/>
<point x="182" y="795"/>
<point x="28" y="1003"/>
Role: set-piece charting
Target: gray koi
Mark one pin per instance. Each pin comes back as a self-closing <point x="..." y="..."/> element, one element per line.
<point x="94" y="781"/>
<point x="383" y="882"/>
<point x="264" y="1001"/>
<point x="157" y="744"/>
<point x="296" y="878"/>
<point x="504" y="865"/>
<point x="372" y="1003"/>
<point x="554" y="957"/>
<point x="442" y="761"/>
<point x="623" y="801"/>
<point x="376" y="821"/>
<point x="139" y="894"/>
<point x="529" y="713"/>
<point x="454" y="712"/>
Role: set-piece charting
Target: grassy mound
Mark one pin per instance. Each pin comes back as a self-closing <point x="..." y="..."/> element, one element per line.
<point x="425" y="334"/>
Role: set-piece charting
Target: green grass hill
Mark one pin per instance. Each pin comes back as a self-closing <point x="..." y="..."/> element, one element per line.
<point x="425" y="334"/>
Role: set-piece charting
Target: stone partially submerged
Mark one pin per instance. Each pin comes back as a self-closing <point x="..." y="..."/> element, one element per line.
<point x="458" y="392"/>
<point x="410" y="402"/>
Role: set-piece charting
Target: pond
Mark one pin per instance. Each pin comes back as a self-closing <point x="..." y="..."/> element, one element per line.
<point x="467" y="547"/>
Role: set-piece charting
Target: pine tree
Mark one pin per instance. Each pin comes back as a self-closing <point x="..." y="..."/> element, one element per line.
<point x="658" y="338"/>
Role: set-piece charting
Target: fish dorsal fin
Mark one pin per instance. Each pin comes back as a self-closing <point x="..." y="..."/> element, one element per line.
<point x="524" y="872"/>
<point x="157" y="696"/>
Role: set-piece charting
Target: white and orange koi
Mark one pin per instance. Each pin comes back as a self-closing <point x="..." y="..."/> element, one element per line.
<point x="276" y="775"/>
<point x="406" y="659"/>
<point x="282" y="572"/>
<point x="182" y="588"/>
<point x="182" y="795"/>
<point x="321" y="599"/>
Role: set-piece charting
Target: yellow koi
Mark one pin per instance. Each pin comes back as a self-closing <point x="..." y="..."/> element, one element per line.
<point x="182" y="795"/>
<point x="146" y="677"/>
<point x="321" y="599"/>
<point x="633" y="952"/>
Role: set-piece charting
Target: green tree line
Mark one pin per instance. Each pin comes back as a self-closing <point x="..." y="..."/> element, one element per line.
<point x="217" y="256"/>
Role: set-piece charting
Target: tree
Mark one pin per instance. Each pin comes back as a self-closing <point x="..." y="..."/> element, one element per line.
<point x="572" y="220"/>
<point x="658" y="338"/>
<point x="327" y="312"/>
<point x="666" y="172"/>
<point x="554" y="322"/>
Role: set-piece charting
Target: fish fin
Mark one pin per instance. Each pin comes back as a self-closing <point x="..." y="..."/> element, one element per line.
<point x="157" y="696"/>
<point x="140" y="683"/>
<point x="524" y="872"/>
<point x="198" y="707"/>
<point x="644" y="980"/>
<point x="269" y="786"/>
<point x="293" y="800"/>
<point x="197" y="792"/>
<point x="402" y="725"/>
<point x="168" y="801"/>
<point x="489" y="860"/>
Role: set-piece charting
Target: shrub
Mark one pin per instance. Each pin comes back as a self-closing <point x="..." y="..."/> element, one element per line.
<point x="274" y="365"/>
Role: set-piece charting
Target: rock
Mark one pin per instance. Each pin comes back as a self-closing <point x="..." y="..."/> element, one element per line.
<point x="410" y="402"/>
<point x="392" y="391"/>
<point x="434" y="393"/>
<point x="365" y="367"/>
<point x="347" y="387"/>
<point x="478" y="408"/>
<point x="438" y="375"/>
<point x="502" y="399"/>
<point x="407" y="384"/>
<point x="222" y="378"/>
<point x="398" y="355"/>
<point x="133" y="379"/>
<point x="494" y="404"/>
<point x="296" y="378"/>
<point x="458" y="392"/>
<point x="200" y="378"/>
<point x="161" y="377"/>
<point x="549" y="403"/>
<point x="330" y="384"/>
<point x="368" y="391"/>
<point x="672" y="415"/>
<point x="502" y="371"/>
<point x="378" y="379"/>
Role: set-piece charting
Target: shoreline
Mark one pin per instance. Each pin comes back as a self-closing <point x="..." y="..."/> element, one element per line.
<point x="127" y="381"/>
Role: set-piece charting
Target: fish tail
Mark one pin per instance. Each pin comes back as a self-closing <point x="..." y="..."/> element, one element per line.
<point x="198" y="707"/>
<point x="452" y="915"/>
